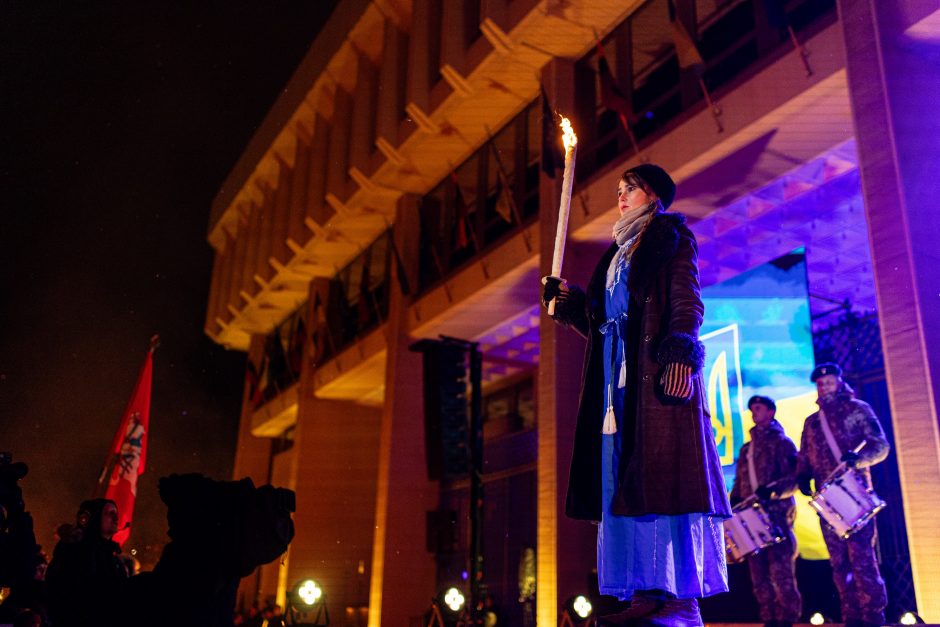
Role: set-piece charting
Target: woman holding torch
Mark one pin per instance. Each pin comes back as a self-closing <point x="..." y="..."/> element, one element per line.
<point x="644" y="465"/>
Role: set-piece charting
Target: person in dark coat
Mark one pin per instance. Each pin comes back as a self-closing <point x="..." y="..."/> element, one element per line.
<point x="85" y="570"/>
<point x="644" y="463"/>
<point x="849" y="422"/>
<point x="767" y="469"/>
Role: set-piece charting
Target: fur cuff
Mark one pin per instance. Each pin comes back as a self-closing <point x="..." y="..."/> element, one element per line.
<point x="682" y="348"/>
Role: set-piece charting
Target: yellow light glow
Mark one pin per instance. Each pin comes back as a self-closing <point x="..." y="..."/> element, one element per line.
<point x="816" y="619"/>
<point x="454" y="599"/>
<point x="908" y="618"/>
<point x="582" y="606"/>
<point x="570" y="139"/>
<point x="310" y="592"/>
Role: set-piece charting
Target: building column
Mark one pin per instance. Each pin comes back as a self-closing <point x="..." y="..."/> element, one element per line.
<point x="565" y="553"/>
<point x="252" y="460"/>
<point x="894" y="84"/>
<point x="403" y="572"/>
<point x="336" y="446"/>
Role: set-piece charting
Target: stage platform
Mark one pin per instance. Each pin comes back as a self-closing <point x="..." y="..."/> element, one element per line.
<point x="795" y="625"/>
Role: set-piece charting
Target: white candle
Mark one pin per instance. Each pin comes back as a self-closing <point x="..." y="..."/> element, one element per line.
<point x="564" y="207"/>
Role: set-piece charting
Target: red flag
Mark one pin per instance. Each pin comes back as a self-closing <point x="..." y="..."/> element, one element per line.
<point x="127" y="458"/>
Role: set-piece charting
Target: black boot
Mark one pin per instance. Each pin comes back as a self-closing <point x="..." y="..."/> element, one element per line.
<point x="674" y="613"/>
<point x="642" y="604"/>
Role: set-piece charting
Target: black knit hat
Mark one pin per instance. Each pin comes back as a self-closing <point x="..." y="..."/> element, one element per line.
<point x="824" y="369"/>
<point x="763" y="400"/>
<point x="89" y="515"/>
<point x="658" y="180"/>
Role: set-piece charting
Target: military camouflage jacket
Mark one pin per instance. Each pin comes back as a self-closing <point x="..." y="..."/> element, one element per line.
<point x="851" y="422"/>
<point x="774" y="462"/>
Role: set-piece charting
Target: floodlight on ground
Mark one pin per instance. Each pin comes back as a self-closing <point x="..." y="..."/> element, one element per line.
<point x="577" y="610"/>
<point x="307" y="601"/>
<point x="448" y="608"/>
<point x="309" y="592"/>
<point x="454" y="600"/>
<point x="817" y="619"/>
<point x="910" y="618"/>
<point x="582" y="607"/>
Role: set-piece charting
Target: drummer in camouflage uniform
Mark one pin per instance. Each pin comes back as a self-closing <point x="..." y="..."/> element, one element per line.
<point x="771" y="456"/>
<point x="850" y="422"/>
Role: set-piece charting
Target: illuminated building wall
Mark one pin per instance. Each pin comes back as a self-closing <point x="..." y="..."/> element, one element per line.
<point x="394" y="192"/>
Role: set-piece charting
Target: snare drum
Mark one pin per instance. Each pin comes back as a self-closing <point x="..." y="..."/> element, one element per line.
<point x="846" y="502"/>
<point x="749" y="531"/>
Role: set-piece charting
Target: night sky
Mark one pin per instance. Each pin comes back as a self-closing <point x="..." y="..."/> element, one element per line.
<point x="119" y="123"/>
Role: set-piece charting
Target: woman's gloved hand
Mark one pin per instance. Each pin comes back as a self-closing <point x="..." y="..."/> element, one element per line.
<point x="569" y="303"/>
<point x="553" y="288"/>
<point x="676" y="381"/>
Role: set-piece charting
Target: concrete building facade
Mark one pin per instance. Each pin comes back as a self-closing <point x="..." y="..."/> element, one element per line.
<point x="396" y="192"/>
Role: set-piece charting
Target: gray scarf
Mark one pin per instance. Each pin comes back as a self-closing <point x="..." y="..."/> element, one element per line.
<point x="625" y="231"/>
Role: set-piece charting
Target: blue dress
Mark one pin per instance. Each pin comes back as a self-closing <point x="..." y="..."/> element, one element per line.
<point x="682" y="554"/>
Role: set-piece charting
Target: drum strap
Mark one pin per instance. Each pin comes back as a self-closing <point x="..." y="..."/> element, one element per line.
<point x="751" y="471"/>
<point x="830" y="439"/>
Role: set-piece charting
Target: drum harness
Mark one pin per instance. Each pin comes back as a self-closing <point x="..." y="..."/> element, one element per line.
<point x="837" y="454"/>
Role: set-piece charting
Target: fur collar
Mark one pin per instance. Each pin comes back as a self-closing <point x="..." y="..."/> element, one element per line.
<point x="658" y="245"/>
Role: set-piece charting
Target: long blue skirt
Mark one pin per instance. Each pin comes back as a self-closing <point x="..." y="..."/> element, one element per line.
<point x="683" y="555"/>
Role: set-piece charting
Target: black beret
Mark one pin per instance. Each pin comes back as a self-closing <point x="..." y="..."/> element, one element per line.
<point x="763" y="400"/>
<point x="658" y="180"/>
<point x="824" y="369"/>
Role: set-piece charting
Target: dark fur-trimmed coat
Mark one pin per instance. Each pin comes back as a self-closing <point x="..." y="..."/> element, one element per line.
<point x="669" y="464"/>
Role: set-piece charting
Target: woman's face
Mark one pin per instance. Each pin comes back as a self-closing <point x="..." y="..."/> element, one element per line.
<point x="630" y="196"/>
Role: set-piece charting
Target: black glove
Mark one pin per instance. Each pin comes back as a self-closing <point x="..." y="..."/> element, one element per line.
<point x="551" y="289"/>
<point x="803" y="481"/>
<point x="850" y="458"/>
<point x="569" y="303"/>
<point x="764" y="493"/>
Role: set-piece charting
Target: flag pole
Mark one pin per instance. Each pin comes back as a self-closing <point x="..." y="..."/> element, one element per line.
<point x="626" y="127"/>
<point x="715" y="109"/>
<point x="804" y="54"/>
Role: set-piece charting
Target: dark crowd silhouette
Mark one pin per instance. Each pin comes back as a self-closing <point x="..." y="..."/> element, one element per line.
<point x="220" y="531"/>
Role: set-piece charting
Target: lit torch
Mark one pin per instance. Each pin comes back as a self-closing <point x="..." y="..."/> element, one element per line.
<point x="564" y="208"/>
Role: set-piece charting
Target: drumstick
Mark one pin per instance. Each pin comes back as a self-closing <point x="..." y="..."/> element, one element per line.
<point x="842" y="465"/>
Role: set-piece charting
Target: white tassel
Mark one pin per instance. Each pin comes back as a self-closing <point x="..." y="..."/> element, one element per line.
<point x="622" y="380"/>
<point x="610" y="420"/>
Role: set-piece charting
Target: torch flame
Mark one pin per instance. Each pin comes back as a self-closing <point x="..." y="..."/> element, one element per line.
<point x="570" y="139"/>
